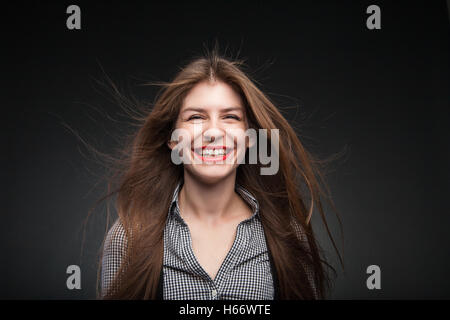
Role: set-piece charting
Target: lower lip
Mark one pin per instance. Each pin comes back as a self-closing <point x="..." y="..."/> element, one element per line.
<point x="211" y="159"/>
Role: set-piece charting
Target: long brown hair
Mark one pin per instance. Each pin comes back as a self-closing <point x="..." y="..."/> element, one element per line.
<point x="148" y="178"/>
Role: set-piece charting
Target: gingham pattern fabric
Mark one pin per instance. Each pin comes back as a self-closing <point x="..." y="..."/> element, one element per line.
<point x="245" y="274"/>
<point x="114" y="250"/>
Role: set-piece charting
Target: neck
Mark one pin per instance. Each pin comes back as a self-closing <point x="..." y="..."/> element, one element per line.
<point x="209" y="203"/>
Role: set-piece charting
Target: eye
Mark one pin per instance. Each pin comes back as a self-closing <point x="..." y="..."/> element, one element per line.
<point x="233" y="117"/>
<point x="194" y="117"/>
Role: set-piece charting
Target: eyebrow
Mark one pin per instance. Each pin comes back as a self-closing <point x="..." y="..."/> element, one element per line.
<point x="196" y="109"/>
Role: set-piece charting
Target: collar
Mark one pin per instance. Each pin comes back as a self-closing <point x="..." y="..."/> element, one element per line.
<point x="174" y="209"/>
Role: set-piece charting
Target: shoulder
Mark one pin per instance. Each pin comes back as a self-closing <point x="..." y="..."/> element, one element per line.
<point x="116" y="239"/>
<point x="299" y="231"/>
<point x="117" y="231"/>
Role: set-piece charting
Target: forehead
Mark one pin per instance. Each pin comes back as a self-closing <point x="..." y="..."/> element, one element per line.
<point x="213" y="96"/>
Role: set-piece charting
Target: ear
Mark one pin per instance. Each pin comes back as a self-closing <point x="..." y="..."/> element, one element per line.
<point x="170" y="144"/>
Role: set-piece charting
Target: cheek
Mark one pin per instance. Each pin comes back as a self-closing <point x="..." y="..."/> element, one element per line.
<point x="186" y="130"/>
<point x="237" y="134"/>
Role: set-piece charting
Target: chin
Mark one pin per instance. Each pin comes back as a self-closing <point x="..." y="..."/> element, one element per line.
<point x="213" y="174"/>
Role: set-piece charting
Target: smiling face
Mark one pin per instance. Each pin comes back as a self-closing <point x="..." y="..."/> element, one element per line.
<point x="214" y="116"/>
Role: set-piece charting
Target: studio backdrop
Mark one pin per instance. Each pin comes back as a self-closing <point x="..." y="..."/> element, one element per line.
<point x="364" y="83"/>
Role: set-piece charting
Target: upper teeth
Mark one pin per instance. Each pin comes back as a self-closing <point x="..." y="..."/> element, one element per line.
<point x="214" y="152"/>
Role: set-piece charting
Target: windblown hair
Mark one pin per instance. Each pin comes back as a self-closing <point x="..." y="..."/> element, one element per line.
<point x="145" y="188"/>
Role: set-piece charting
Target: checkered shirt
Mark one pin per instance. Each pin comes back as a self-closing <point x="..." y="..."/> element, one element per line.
<point x="245" y="273"/>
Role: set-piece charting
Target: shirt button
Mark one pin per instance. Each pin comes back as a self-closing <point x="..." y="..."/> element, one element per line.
<point x="214" y="293"/>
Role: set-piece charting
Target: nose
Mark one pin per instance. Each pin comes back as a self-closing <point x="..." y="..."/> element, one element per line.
<point x="213" y="132"/>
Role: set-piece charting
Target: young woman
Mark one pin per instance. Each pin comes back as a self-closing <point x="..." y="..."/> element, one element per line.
<point x="214" y="227"/>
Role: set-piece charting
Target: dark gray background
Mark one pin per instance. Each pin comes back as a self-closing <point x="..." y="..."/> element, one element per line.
<point x="381" y="95"/>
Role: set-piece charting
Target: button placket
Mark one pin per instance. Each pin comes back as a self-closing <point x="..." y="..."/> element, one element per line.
<point x="243" y="236"/>
<point x="239" y="242"/>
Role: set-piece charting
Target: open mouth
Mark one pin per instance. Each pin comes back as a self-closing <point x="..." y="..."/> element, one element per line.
<point x="212" y="153"/>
